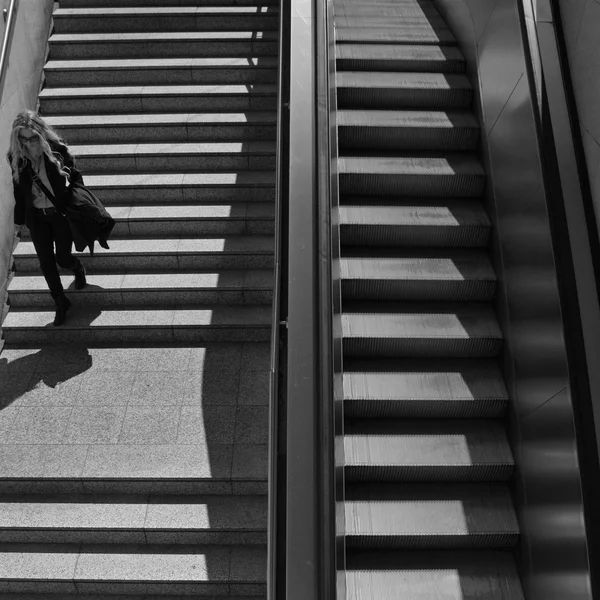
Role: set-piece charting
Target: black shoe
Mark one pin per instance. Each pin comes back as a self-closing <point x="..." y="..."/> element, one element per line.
<point x="79" y="273"/>
<point x="62" y="306"/>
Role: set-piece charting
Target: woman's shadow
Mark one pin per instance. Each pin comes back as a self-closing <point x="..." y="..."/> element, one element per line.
<point x="51" y="365"/>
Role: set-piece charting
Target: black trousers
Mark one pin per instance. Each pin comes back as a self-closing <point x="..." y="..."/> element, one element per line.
<point x="50" y="231"/>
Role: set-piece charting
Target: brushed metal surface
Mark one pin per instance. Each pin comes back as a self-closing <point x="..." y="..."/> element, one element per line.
<point x="552" y="554"/>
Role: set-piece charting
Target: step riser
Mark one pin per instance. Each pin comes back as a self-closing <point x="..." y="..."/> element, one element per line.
<point x="175" y="164"/>
<point x="147" y="262"/>
<point x="420" y="186"/>
<point x="134" y="335"/>
<point x="429" y="473"/>
<point x="192" y="195"/>
<point x="413" y="138"/>
<point x="202" y="49"/>
<point x="397" y="35"/>
<point x="97" y="297"/>
<point x="172" y="76"/>
<point x="414" y="236"/>
<point x="430" y="409"/>
<point x="107" y="105"/>
<point x="167" y="133"/>
<point x="422" y="348"/>
<point x="111" y="589"/>
<point x="164" y="23"/>
<point x="432" y="542"/>
<point x="400" y="66"/>
<point x="115" y="536"/>
<point x="398" y="99"/>
<point x="463" y="291"/>
<point x="161" y="3"/>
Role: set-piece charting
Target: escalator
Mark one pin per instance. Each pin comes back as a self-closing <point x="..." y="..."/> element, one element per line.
<point x="428" y="466"/>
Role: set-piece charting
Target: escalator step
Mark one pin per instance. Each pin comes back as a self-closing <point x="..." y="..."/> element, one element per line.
<point x="407" y="130"/>
<point x="445" y="330"/>
<point x="425" y="389"/>
<point x="359" y="89"/>
<point x="457" y="575"/>
<point x="400" y="34"/>
<point x="430" y="516"/>
<point x="402" y="58"/>
<point x="388" y="9"/>
<point x="409" y="223"/>
<point x="423" y="176"/>
<point x="466" y="276"/>
<point x="425" y="450"/>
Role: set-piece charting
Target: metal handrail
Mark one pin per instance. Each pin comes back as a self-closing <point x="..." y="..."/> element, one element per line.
<point x="9" y="15"/>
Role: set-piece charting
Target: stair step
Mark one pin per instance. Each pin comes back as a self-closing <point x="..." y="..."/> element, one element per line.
<point x="427" y="276"/>
<point x="175" y="469"/>
<point x="426" y="450"/>
<point x="428" y="575"/>
<point x="400" y="58"/>
<point x="195" y="44"/>
<point x="424" y="389"/>
<point x="196" y="570"/>
<point x="148" y="99"/>
<point x="398" y="34"/>
<point x="407" y="130"/>
<point x="238" y="218"/>
<point x="239" y="520"/>
<point x="173" y="71"/>
<point x="410" y="223"/>
<point x="235" y="252"/>
<point x="458" y="175"/>
<point x="173" y="127"/>
<point x="420" y="330"/>
<point x="183" y="324"/>
<point x="128" y="158"/>
<point x="185" y="188"/>
<point x="147" y="3"/>
<point x="387" y="9"/>
<point x="170" y="18"/>
<point x="360" y="89"/>
<point x="145" y="289"/>
<point x="429" y="516"/>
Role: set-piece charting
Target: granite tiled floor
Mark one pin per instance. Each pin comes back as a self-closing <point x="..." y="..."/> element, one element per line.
<point x="134" y="411"/>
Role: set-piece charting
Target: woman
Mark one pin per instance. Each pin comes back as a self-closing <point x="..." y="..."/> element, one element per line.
<point x="43" y="172"/>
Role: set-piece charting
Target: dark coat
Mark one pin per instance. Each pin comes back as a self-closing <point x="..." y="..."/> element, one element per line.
<point x="88" y="219"/>
<point x="24" y="214"/>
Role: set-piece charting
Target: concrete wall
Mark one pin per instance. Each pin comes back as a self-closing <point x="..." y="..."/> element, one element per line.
<point x="19" y="91"/>
<point x="581" y="22"/>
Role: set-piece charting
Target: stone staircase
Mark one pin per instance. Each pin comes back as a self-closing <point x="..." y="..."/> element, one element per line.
<point x="133" y="454"/>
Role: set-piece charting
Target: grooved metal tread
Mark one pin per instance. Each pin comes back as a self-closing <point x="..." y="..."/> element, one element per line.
<point x="429" y="515"/>
<point x="391" y="52"/>
<point x="407" y="118"/>
<point x="124" y="3"/>
<point x="449" y="165"/>
<point x="434" y="450"/>
<point x="389" y="18"/>
<point x="430" y="575"/>
<point x="429" y="321"/>
<point x="451" y="267"/>
<point x="389" y="9"/>
<point x="454" y="213"/>
<point x="399" y="34"/>
<point x="453" y="381"/>
<point x="426" y="81"/>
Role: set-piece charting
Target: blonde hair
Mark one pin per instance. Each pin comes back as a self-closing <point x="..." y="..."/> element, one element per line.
<point x="29" y="119"/>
